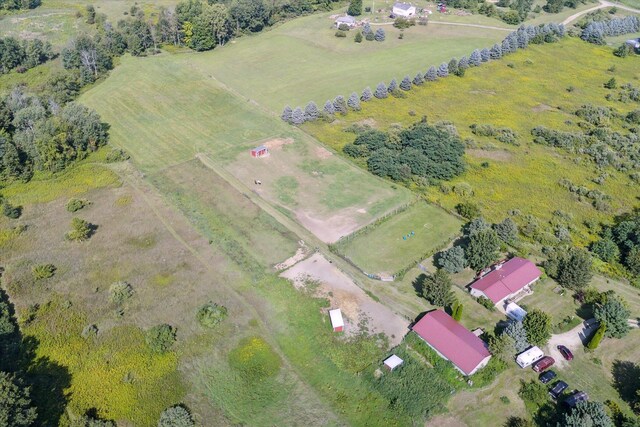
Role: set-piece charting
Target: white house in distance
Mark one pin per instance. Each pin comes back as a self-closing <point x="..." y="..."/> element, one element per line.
<point x="452" y="341"/>
<point x="403" y="9"/>
<point x="336" y="320"/>
<point x="347" y="20"/>
<point x="506" y="280"/>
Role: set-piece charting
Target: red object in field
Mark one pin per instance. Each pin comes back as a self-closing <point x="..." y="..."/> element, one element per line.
<point x="260" y="151"/>
<point x="543" y="363"/>
<point x="566" y="353"/>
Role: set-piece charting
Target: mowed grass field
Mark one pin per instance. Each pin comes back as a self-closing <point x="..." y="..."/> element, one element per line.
<point x="164" y="111"/>
<point x="523" y="90"/>
<point x="302" y="60"/>
<point x="391" y="246"/>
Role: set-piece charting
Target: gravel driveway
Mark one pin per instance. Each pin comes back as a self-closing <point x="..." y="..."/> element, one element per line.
<point x="573" y="340"/>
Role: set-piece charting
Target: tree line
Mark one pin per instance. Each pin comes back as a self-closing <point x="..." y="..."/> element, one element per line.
<point x="19" y="4"/>
<point x="596" y="31"/>
<point x="20" y="55"/>
<point x="520" y="39"/>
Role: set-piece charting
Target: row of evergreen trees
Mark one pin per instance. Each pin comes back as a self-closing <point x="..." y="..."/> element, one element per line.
<point x="19" y="4"/>
<point x="519" y="39"/>
<point x="596" y="31"/>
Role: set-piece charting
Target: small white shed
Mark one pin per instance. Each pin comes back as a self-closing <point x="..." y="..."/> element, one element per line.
<point x="515" y="312"/>
<point x="529" y="357"/>
<point x="392" y="362"/>
<point x="336" y="320"/>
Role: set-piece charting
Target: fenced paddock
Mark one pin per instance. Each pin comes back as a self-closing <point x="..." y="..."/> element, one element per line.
<point x="400" y="240"/>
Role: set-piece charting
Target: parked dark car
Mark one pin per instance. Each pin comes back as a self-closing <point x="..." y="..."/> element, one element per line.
<point x="546" y="377"/>
<point x="575" y="398"/>
<point x="544" y="363"/>
<point x="566" y="353"/>
<point x="557" y="389"/>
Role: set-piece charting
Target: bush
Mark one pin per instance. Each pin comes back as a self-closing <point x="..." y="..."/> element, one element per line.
<point x="452" y="260"/>
<point x="594" y="342"/>
<point x="11" y="211"/>
<point x="211" y="314"/>
<point x="74" y="205"/>
<point x="340" y="34"/>
<point x="486" y="303"/>
<point x="119" y="292"/>
<point x="117" y="155"/>
<point x="254" y="359"/>
<point x="468" y="210"/>
<point x="80" y="230"/>
<point x="43" y="271"/>
<point x="456" y="311"/>
<point x="358" y="37"/>
<point x="176" y="416"/>
<point x="436" y="288"/>
<point x="160" y="338"/>
<point x="343" y="27"/>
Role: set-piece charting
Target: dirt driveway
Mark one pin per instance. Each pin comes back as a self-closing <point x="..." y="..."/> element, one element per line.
<point x="354" y="303"/>
<point x="573" y="340"/>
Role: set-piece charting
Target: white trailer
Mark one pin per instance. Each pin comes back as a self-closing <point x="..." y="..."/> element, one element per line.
<point x="529" y="357"/>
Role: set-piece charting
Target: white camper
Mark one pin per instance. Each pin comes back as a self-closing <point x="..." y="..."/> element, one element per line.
<point x="529" y="357"/>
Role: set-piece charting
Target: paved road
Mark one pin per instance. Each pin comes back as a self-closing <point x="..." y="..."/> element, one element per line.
<point x="603" y="4"/>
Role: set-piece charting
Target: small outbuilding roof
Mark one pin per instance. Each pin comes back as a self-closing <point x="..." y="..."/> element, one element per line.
<point x="336" y="318"/>
<point x="507" y="279"/>
<point x="260" y="148"/>
<point x="515" y="312"/>
<point x="393" y="362"/>
<point x="403" y="6"/>
<point x="452" y="340"/>
<point x="347" y="19"/>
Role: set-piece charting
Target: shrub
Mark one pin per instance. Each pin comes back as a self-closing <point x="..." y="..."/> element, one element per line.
<point x="486" y="303"/>
<point x="117" y="155"/>
<point x="43" y="271"/>
<point x="160" y="338"/>
<point x="176" y="416"/>
<point x="211" y="314"/>
<point x="436" y="288"/>
<point x="456" y="311"/>
<point x="611" y="83"/>
<point x="11" y="211"/>
<point x="343" y="27"/>
<point x="358" y="37"/>
<point x="74" y="205"/>
<point x="89" y="331"/>
<point x="341" y="34"/>
<point x="594" y="342"/>
<point x="380" y="35"/>
<point x="119" y="292"/>
<point x="254" y="359"/>
<point x="80" y="230"/>
<point x="468" y="210"/>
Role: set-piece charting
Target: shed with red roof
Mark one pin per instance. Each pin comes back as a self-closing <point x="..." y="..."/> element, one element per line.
<point x="452" y="341"/>
<point x="506" y="280"/>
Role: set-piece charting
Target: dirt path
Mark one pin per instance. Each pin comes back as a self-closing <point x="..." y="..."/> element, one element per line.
<point x="354" y="303"/>
<point x="602" y="5"/>
<point x="573" y="340"/>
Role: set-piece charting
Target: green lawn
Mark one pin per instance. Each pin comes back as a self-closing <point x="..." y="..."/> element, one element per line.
<point x="301" y="60"/>
<point x="527" y="93"/>
<point x="386" y="248"/>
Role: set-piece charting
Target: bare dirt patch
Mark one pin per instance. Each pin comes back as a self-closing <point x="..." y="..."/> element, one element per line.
<point x="277" y="143"/>
<point x="354" y="303"/>
<point x="329" y="229"/>
<point x="499" y="155"/>
<point x="300" y="254"/>
<point x="542" y="107"/>
<point x="323" y="153"/>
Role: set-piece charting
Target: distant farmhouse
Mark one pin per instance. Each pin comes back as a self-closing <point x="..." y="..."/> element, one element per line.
<point x="347" y="20"/>
<point x="505" y="281"/>
<point x="452" y="341"/>
<point x="403" y="9"/>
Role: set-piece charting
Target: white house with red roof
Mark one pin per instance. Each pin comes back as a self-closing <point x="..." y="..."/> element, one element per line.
<point x="452" y="341"/>
<point x="506" y="280"/>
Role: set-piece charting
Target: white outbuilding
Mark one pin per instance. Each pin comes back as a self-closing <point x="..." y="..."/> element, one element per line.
<point x="336" y="320"/>
<point x="515" y="312"/>
<point x="405" y="10"/>
<point x="392" y="362"/>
